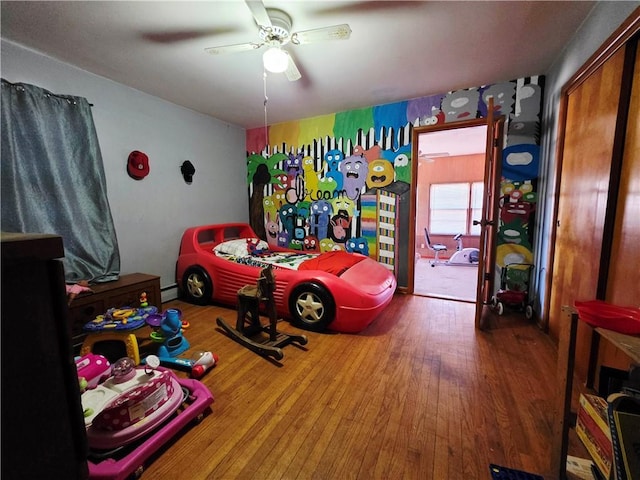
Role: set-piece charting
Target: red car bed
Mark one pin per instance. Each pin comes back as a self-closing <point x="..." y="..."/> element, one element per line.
<point x="337" y="290"/>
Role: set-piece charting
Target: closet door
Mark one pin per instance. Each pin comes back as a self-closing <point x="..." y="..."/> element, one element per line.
<point x="591" y="114"/>
<point x="623" y="286"/>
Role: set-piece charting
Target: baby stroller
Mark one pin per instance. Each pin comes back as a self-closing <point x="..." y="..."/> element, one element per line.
<point x="515" y="288"/>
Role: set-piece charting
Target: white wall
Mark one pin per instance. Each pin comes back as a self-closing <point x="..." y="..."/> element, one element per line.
<point x="605" y="18"/>
<point x="150" y="215"/>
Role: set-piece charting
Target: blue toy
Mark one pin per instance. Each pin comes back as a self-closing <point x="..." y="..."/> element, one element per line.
<point x="171" y="328"/>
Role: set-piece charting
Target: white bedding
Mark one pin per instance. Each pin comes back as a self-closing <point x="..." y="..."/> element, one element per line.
<point x="237" y="251"/>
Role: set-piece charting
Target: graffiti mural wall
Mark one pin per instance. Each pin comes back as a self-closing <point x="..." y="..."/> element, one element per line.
<point x="342" y="181"/>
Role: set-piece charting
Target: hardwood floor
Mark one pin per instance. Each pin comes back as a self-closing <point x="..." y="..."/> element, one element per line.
<point x="420" y="394"/>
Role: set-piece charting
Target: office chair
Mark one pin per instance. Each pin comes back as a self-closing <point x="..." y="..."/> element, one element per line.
<point x="436" y="247"/>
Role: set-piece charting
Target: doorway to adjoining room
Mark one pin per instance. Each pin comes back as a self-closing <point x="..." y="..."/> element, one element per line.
<point x="449" y="195"/>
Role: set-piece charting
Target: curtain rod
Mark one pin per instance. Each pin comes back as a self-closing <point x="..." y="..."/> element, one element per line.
<point x="48" y="93"/>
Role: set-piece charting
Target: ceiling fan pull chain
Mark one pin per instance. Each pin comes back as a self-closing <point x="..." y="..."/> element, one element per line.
<point x="266" y="99"/>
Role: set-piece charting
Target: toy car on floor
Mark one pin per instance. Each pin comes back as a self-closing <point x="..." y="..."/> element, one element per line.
<point x="133" y="413"/>
<point x="335" y="290"/>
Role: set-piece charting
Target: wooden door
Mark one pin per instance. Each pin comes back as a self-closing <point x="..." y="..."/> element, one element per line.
<point x="591" y="111"/>
<point x="489" y="221"/>
<point x="595" y="241"/>
<point x="623" y="285"/>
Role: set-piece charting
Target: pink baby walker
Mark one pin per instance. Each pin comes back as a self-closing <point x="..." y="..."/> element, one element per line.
<point x="134" y="412"/>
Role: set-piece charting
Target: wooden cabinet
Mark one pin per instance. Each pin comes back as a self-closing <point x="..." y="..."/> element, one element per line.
<point x="596" y="234"/>
<point x="43" y="433"/>
<point x="123" y="292"/>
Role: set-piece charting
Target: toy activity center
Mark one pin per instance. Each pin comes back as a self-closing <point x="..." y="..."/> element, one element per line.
<point x="189" y="297"/>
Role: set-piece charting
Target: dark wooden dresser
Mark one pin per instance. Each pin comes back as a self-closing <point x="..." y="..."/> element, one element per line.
<point x="124" y="292"/>
<point x="43" y="433"/>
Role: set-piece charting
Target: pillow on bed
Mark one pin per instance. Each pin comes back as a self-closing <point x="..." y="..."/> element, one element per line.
<point x="242" y="247"/>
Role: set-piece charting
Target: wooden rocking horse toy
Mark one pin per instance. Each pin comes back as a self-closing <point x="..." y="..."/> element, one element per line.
<point x="249" y="330"/>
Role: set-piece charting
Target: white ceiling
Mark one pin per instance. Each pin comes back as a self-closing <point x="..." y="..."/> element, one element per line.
<point x="398" y="50"/>
<point x="453" y="142"/>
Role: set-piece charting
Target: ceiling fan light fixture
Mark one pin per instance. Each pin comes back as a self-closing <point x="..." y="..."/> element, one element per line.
<point x="275" y="60"/>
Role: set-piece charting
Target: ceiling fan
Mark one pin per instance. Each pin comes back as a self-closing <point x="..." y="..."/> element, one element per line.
<point x="274" y="33"/>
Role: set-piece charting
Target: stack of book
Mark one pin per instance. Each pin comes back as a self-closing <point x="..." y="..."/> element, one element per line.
<point x="592" y="427"/>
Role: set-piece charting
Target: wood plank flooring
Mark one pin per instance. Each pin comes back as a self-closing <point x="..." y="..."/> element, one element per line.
<point x="420" y="394"/>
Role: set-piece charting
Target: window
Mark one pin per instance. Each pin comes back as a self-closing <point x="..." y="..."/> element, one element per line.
<point x="454" y="206"/>
<point x="477" y="196"/>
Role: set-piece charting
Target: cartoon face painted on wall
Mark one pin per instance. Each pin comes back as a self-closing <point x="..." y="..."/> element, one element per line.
<point x="283" y="239"/>
<point x="380" y="174"/>
<point x="278" y="198"/>
<point x="514" y="233"/>
<point x="304" y="209"/>
<point x="310" y="177"/>
<point x="518" y="211"/>
<point x="327" y="245"/>
<point x="461" y="105"/>
<point x="354" y="170"/>
<point x="402" y="167"/>
<point x="333" y="159"/>
<point x="436" y="118"/>
<point x="293" y="165"/>
<point x="503" y="97"/>
<point x="295" y="244"/>
<point x="272" y="228"/>
<point x="357" y="245"/>
<point x="319" y="218"/>
<point x="521" y="162"/>
<point x="344" y="203"/>
<point x="310" y="244"/>
<point x="284" y="182"/>
<point x="401" y="160"/>
<point x="326" y="187"/>
<point x="321" y="209"/>
<point x="340" y="227"/>
<point x="287" y="216"/>
<point x="269" y="206"/>
<point x="518" y="191"/>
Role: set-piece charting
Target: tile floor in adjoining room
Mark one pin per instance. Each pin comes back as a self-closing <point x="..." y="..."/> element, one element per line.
<point x="458" y="282"/>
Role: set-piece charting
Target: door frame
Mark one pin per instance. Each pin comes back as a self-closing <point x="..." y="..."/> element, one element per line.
<point x="414" y="182"/>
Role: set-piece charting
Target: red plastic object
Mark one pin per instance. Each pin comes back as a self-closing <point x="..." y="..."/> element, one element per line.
<point x="359" y="294"/>
<point x="598" y="313"/>
<point x="511" y="296"/>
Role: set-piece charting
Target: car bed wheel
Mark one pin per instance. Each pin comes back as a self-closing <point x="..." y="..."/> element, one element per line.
<point x="311" y="307"/>
<point x="197" y="286"/>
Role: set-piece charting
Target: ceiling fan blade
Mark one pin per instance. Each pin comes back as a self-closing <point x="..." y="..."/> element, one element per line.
<point x="335" y="32"/>
<point x="365" y="7"/>
<point x="240" y="47"/>
<point x="259" y="12"/>
<point x="292" y="73"/>
<point x="185" y="35"/>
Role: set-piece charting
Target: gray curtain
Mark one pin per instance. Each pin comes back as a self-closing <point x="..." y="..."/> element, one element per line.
<point x="53" y="179"/>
